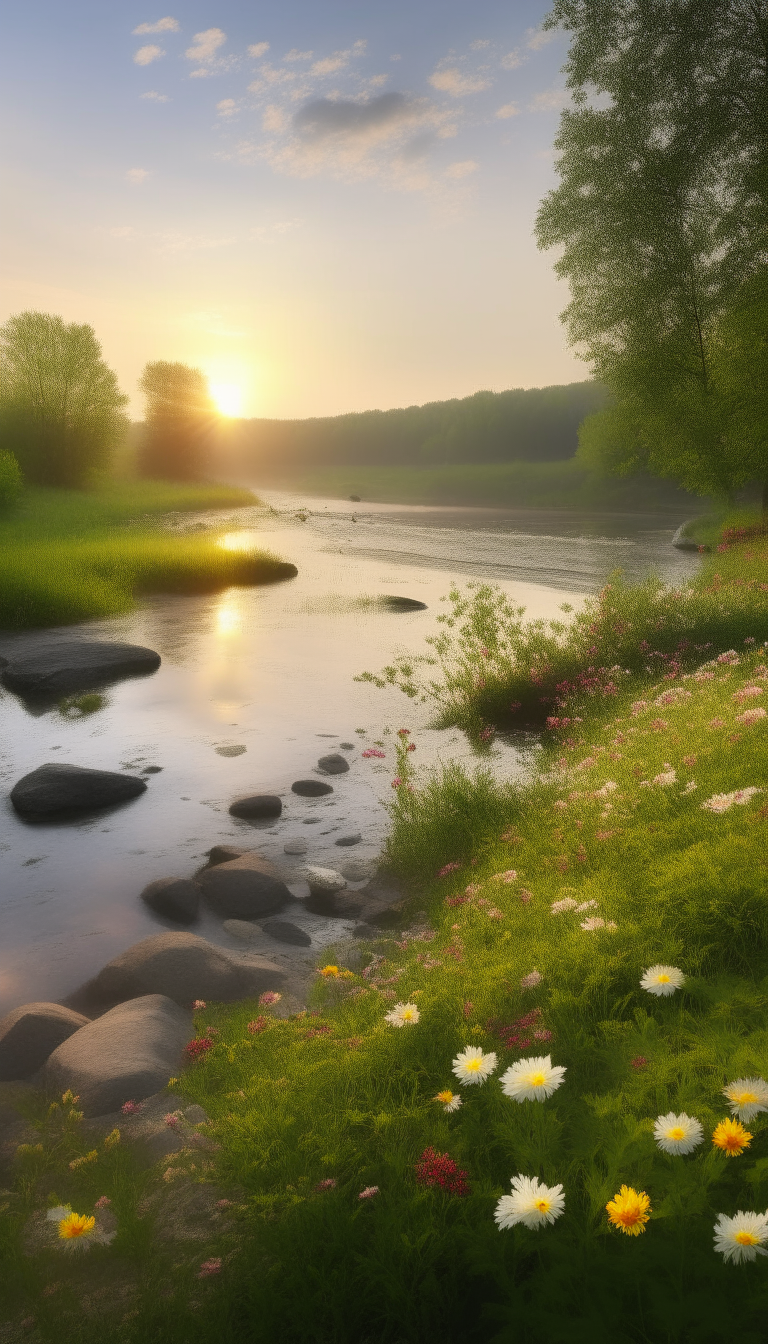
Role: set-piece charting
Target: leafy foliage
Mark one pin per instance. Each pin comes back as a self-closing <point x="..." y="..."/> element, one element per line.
<point x="179" y="421"/>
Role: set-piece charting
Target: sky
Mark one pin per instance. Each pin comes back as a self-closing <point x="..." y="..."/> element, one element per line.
<point x="327" y="206"/>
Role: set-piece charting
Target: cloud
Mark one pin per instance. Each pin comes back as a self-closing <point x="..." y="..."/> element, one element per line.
<point x="166" y="25"/>
<point x="146" y="55"/>
<point x="206" y="45"/>
<point x="136" y="176"/>
<point x="480" y="44"/>
<point x="549" y="100"/>
<point x="295" y="55"/>
<point x="154" y="97"/>
<point x="269" y="76"/>
<point x="330" y="64"/>
<point x="227" y="107"/>
<point x="274" y="118"/>
<point x="463" y="169"/>
<point x="508" y="110"/>
<point x="512" y="60"/>
<point x="536" y="38"/>
<point x="452" y="81"/>
<point x="258" y="49"/>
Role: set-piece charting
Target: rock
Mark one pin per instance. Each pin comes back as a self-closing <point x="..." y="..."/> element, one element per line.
<point x="311" y="788"/>
<point x="334" y="764"/>
<point x="359" y="870"/>
<point x="152" y="770"/>
<point x="241" y="928"/>
<point x="182" y="966"/>
<point x="683" y="543"/>
<point x="285" y="932"/>
<point x="349" y="839"/>
<point x="230" y="751"/>
<point x="323" y="881"/>
<point x="244" y="887"/>
<point x="355" y="499"/>
<point x="347" y="746"/>
<point x="225" y="853"/>
<point x="70" y="788"/>
<point x="377" y="904"/>
<point x="295" y="847"/>
<point x="393" y="603"/>
<point x="126" y="1055"/>
<point x="57" y="668"/>
<point x="256" y="807"/>
<point x="29" y="1034"/>
<point x="175" y="897"/>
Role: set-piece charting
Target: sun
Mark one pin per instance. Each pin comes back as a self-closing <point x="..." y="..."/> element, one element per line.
<point x="228" y="398"/>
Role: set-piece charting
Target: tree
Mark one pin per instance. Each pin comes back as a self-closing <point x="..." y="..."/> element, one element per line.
<point x="661" y="215"/>
<point x="60" y="405"/>
<point x="178" y="422"/>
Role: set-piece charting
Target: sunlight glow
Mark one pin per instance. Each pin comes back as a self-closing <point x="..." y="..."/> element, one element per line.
<point x="228" y="398"/>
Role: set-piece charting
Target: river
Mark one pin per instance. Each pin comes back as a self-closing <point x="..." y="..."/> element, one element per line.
<point x="271" y="670"/>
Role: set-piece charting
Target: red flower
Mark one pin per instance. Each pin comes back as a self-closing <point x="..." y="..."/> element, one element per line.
<point x="438" y="1170"/>
<point x="198" y="1047"/>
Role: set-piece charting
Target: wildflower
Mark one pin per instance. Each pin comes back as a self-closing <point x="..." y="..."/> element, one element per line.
<point x="586" y="905"/>
<point x="747" y="1097"/>
<point x="662" y="980"/>
<point x="509" y="876"/>
<point x="78" y="1162"/>
<point x="75" y="1225"/>
<point x="472" y="1065"/>
<point x="531" y="980"/>
<point x="435" y="1169"/>
<point x="396" y="782"/>
<point x="450" y="1101"/>
<point x="493" y="913"/>
<point x="721" y="802"/>
<point x="198" y="1047"/>
<point x="473" y="889"/>
<point x="402" y="1015"/>
<point x="747" y="693"/>
<point x="525" y="896"/>
<point x="629" y="1210"/>
<point x="560" y="805"/>
<point x="329" y="972"/>
<point x="373" y="751"/>
<point x="659" y="725"/>
<point x="638" y="707"/>
<point x="717" y="723"/>
<point x="691" y="786"/>
<point x="605" y="789"/>
<point x="741" y="1237"/>
<point x="329" y="1183"/>
<point x="751" y="716"/>
<point x="532" y="1079"/>
<point x="677" y="1133"/>
<point x="732" y="1137"/>
<point x="689" y="760"/>
<point x="208" y="1268"/>
<point x="368" y="1192"/>
<point x="258" y="1024"/>
<point x="667" y="777"/>
<point x="131" y="1107"/>
<point x="449" y="868"/>
<point x="567" y="903"/>
<point x="403" y="732"/>
<point x="198" y="1005"/>
<point x="103" y="1202"/>
<point x="269" y="997"/>
<point x="639" y="1062"/>
<point x="592" y="924"/>
<point x="487" y="733"/>
<point x="531" y="1203"/>
<point x="172" y="1120"/>
<point x="112" y="1139"/>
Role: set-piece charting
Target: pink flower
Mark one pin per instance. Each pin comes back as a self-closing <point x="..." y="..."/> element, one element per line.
<point x="747" y="693"/>
<point x="639" y="1062"/>
<point x="449" y="868"/>
<point x="368" y="1192"/>
<point x="493" y="913"/>
<point x="751" y="716"/>
<point x="531" y="980"/>
<point x="509" y="876"/>
<point x="198" y="1005"/>
<point x="396" y="782"/>
<point x="269" y="997"/>
<point x="717" y="723"/>
<point x="103" y="1202"/>
<point x="209" y="1267"/>
<point x="373" y="751"/>
<point x="258" y="1024"/>
<point x="659" y="725"/>
<point x="329" y="1183"/>
<point x="525" y="896"/>
<point x="411" y="746"/>
<point x="131" y="1107"/>
<point x="403" y="732"/>
<point x="472" y="889"/>
<point x="172" y="1121"/>
<point x="638" y="707"/>
<point x="560" y="805"/>
<point x="689" y="760"/>
<point x="487" y="733"/>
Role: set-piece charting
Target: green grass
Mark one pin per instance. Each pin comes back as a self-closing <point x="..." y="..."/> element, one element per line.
<point x="70" y="555"/>
<point x="708" y="529"/>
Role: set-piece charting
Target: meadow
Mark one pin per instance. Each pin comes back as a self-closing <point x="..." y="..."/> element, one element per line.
<point x="71" y="555"/>
<point x="596" y="937"/>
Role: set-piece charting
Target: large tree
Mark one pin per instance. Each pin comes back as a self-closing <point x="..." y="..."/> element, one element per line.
<point x="661" y="218"/>
<point x="178" y="423"/>
<point x="60" y="405"/>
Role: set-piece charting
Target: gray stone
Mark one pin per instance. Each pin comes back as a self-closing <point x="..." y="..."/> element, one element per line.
<point x="181" y="965"/>
<point x="347" y="746"/>
<point x="359" y="870"/>
<point x="127" y="1054"/>
<point x="311" y="788"/>
<point x="334" y="764"/>
<point x="244" y="888"/>
<point x="284" y="932"/>
<point x="322" y="881"/>
<point x="175" y="897"/>
<point x="225" y="853"/>
<point x="256" y="807"/>
<point x="295" y="847"/>
<point x="57" y="668"/>
<point x="681" y="542"/>
<point x="72" y="788"/>
<point x="349" y="839"/>
<point x="241" y="928"/>
<point x="29" y="1034"/>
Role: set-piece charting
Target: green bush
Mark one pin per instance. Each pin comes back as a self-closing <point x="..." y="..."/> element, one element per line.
<point x="11" y="482"/>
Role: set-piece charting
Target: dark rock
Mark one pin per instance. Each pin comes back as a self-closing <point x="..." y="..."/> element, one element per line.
<point x="151" y="769"/>
<point x="336" y="904"/>
<point x="127" y="1054"/>
<point x="334" y="764"/>
<point x="29" y="1034"/>
<point x="244" y="888"/>
<point x="257" y="806"/>
<point x="68" y="788"/>
<point x="355" y="499"/>
<point x="175" y="897"/>
<point x="56" y="668"/>
<point x="225" y="853"/>
<point x="311" y="788"/>
<point x="347" y="746"/>
<point x="182" y="966"/>
<point x="393" y="603"/>
<point x="285" y="932"/>
<point x="349" y="839"/>
<point x="378" y="903"/>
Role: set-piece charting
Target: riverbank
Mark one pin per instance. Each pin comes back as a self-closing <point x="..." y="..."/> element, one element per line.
<point x="69" y="555"/>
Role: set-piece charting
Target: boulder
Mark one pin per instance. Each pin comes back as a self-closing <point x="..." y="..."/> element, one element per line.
<point x="311" y="788"/>
<point x="333" y="764"/>
<point x="256" y="807"/>
<point x="127" y="1054"/>
<point x="349" y="839"/>
<point x="58" y="668"/>
<point x="224" y="853"/>
<point x="241" y="928"/>
<point x="72" y="788"/>
<point x="29" y="1034"/>
<point x="322" y="881"/>
<point x="285" y="932"/>
<point x="244" y="888"/>
<point x="175" y="897"/>
<point x="182" y="966"/>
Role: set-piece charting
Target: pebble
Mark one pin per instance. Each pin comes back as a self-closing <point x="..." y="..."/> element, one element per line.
<point x="349" y="839"/>
<point x="295" y="847"/>
<point x="230" y="751"/>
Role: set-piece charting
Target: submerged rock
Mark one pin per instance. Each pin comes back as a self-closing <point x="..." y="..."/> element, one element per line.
<point x="334" y="764"/>
<point x="283" y="931"/>
<point x="256" y="807"/>
<point x="349" y="839"/>
<point x="56" y="668"/>
<point x="311" y="788"/>
<point x="295" y="847"/>
<point x="68" y="788"/>
<point x="29" y="1034"/>
<point x="175" y="897"/>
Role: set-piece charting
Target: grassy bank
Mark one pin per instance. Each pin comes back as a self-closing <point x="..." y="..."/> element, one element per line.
<point x="535" y="913"/>
<point x="70" y="555"/>
<point x="544" y="485"/>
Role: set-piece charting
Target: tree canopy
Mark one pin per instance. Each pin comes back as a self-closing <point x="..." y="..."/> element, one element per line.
<point x="60" y="405"/>
<point x="178" y="422"/>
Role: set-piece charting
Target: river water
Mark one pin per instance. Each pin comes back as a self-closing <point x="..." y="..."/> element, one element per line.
<point x="271" y="670"/>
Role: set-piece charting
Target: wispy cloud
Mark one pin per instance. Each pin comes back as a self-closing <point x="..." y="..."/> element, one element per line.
<point x="136" y="176"/>
<point x="295" y="55"/>
<point x="330" y="64"/>
<point x="146" y="55"/>
<point x="462" y="169"/>
<point x="480" y="44"/>
<point x="154" y="97"/>
<point x="274" y="118"/>
<point x="536" y="38"/>
<point x="205" y="45"/>
<point x="270" y="75"/>
<point x="451" y="80"/>
<point x="227" y="107"/>
<point x="166" y="25"/>
<point x="508" y="110"/>
<point x="549" y="100"/>
<point x="258" y="49"/>
<point x="512" y="60"/>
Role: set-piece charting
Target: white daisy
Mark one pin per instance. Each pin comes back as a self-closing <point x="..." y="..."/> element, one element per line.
<point x="747" y="1096"/>
<point x="402" y="1015"/>
<point x="662" y="980"/>
<point x="450" y="1101"/>
<point x="677" y="1134"/>
<point x="531" y="1202"/>
<point x="473" y="1066"/>
<point x="532" y="1079"/>
<point x="741" y="1237"/>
